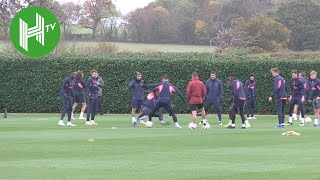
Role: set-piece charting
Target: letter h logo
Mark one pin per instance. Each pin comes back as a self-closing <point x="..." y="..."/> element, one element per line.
<point x="26" y="33"/>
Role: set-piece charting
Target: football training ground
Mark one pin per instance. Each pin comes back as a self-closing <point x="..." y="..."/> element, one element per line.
<point x="33" y="146"/>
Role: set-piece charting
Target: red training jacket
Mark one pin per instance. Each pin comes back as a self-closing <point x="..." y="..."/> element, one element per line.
<point x="196" y="91"/>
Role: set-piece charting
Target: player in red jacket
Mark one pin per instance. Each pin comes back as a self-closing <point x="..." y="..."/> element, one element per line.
<point x="196" y="91"/>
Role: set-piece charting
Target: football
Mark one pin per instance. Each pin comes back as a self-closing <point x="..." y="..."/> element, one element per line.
<point x="192" y="126"/>
<point x="207" y="126"/>
<point x="149" y="124"/>
<point x="308" y="120"/>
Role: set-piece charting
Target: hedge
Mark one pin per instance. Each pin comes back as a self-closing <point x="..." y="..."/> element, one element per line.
<point x="32" y="85"/>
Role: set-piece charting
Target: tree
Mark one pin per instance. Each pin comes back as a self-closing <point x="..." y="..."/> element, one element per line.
<point x="70" y="15"/>
<point x="8" y="9"/>
<point x="303" y="20"/>
<point x="93" y="11"/>
<point x="259" y="31"/>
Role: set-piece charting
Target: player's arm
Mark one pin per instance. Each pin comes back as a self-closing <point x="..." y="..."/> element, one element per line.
<point x="151" y="86"/>
<point x="203" y="91"/>
<point x="246" y="88"/>
<point x="221" y="91"/>
<point x="101" y="82"/>
<point x="131" y="84"/>
<point x="88" y="86"/>
<point x="189" y="87"/>
<point x="65" y="83"/>
<point x="176" y="90"/>
<point x="207" y="89"/>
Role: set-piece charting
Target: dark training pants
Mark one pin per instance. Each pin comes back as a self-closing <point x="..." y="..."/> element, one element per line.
<point x="167" y="106"/>
<point x="237" y="107"/>
<point x="280" y="103"/>
<point x="92" y="100"/>
<point x="67" y="107"/>
<point x="216" y="106"/>
<point x="251" y="105"/>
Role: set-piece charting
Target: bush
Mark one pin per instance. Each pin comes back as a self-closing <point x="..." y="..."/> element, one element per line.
<point x="32" y="85"/>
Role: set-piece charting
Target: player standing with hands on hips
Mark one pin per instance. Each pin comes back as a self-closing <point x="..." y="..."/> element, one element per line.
<point x="66" y="97"/>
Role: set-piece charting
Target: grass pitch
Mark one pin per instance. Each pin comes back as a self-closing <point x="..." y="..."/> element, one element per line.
<point x="33" y="146"/>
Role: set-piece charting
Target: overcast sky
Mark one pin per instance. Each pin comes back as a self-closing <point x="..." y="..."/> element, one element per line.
<point x="124" y="6"/>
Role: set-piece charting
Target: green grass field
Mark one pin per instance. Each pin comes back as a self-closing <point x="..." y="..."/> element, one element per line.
<point x="33" y="146"/>
<point x="137" y="47"/>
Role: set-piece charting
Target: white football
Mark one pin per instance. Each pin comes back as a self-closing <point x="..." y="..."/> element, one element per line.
<point x="149" y="124"/>
<point x="308" y="120"/>
<point x="207" y="126"/>
<point x="192" y="126"/>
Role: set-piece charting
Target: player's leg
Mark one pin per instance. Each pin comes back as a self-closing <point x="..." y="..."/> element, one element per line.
<point x="155" y="108"/>
<point x="69" y="112"/>
<point x="245" y="122"/>
<point x="292" y="105"/>
<point x="90" y="110"/>
<point x="64" y="110"/>
<point x="75" y="105"/>
<point x="283" y="103"/>
<point x="253" y="107"/>
<point x="248" y="108"/>
<point x="280" y="110"/>
<point x="316" y="107"/>
<point x="217" y="108"/>
<point x="170" y="110"/>
<point x="94" y="110"/>
<point x="302" y="113"/>
<point x="232" y="115"/>
<point x="295" y="112"/>
<point x="83" y="109"/>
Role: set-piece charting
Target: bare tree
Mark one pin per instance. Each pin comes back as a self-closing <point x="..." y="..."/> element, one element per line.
<point x="93" y="11"/>
<point x="70" y="15"/>
<point x="8" y="8"/>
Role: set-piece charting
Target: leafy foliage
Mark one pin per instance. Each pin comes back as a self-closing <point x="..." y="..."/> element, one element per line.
<point x="34" y="85"/>
<point x="303" y="19"/>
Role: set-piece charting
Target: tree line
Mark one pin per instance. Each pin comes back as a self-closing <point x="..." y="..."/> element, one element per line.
<point x="268" y="25"/>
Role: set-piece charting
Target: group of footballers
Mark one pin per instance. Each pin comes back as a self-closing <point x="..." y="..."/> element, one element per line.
<point x="159" y="99"/>
<point x="301" y="92"/>
<point x="73" y="89"/>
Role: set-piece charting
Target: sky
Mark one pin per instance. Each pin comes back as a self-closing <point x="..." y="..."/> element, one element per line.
<point x="125" y="6"/>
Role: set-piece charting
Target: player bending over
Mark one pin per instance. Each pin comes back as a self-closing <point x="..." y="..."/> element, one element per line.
<point x="66" y="97"/>
<point x="164" y="99"/>
<point x="237" y="104"/>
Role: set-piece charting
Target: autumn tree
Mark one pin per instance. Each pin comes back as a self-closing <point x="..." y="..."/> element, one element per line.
<point x="93" y="11"/>
<point x="303" y="20"/>
<point x="259" y="31"/>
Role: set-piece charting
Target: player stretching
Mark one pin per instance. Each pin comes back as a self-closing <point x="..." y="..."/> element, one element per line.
<point x="296" y="95"/>
<point x="92" y="90"/>
<point x="195" y="94"/>
<point x="78" y="89"/>
<point x="280" y="93"/>
<point x="137" y="95"/>
<point x="214" y="95"/>
<point x="66" y="97"/>
<point x="238" y="101"/>
<point x="315" y="96"/>
<point x="250" y="90"/>
<point x="164" y="99"/>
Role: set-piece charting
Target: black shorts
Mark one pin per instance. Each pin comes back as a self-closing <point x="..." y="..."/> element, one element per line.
<point x="195" y="107"/>
<point x="79" y="98"/>
<point x="239" y="103"/>
<point x="136" y="104"/>
<point x="316" y="103"/>
<point x="145" y="110"/>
